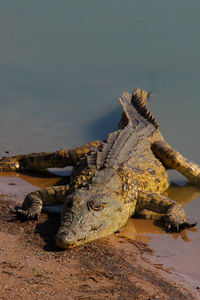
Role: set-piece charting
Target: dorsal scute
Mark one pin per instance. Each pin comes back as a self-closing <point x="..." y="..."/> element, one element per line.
<point x="98" y="156"/>
<point x="117" y="148"/>
<point x="113" y="151"/>
<point x="106" y="148"/>
<point x="135" y="109"/>
<point x="119" y="144"/>
<point x="91" y="158"/>
<point x="138" y="100"/>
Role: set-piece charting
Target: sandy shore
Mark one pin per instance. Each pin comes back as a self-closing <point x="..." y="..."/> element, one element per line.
<point x="111" y="268"/>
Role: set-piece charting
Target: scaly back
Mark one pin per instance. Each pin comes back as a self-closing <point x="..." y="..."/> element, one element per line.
<point x="139" y="125"/>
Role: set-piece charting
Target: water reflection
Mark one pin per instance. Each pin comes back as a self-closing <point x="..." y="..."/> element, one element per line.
<point x="183" y="194"/>
<point x="138" y="229"/>
<point x="38" y="179"/>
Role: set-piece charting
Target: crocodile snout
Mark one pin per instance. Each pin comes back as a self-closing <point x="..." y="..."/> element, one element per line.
<point x="65" y="239"/>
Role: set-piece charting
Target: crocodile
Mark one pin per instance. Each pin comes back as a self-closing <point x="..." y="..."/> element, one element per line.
<point x="112" y="180"/>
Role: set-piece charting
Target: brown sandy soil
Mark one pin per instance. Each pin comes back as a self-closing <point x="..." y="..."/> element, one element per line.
<point x="111" y="268"/>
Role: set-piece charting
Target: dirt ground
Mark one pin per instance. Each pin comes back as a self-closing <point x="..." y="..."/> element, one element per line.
<point x="31" y="267"/>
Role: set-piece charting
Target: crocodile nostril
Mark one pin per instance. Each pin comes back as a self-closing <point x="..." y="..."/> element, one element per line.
<point x="64" y="239"/>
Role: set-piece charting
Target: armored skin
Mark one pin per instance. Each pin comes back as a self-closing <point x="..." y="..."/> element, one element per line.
<point x="111" y="180"/>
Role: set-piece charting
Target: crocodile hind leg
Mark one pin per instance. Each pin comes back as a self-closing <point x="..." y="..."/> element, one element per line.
<point x="44" y="160"/>
<point x="33" y="203"/>
<point x="149" y="215"/>
<point x="174" y="160"/>
<point x="163" y="207"/>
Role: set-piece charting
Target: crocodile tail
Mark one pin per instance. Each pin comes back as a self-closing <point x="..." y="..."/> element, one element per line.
<point x="135" y="109"/>
<point x="142" y="95"/>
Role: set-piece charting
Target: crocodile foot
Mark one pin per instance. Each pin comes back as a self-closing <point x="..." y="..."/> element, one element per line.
<point x="26" y="214"/>
<point x="178" y="227"/>
<point x="175" y="219"/>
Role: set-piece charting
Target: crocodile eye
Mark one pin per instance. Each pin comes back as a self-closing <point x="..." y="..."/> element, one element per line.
<point x="95" y="205"/>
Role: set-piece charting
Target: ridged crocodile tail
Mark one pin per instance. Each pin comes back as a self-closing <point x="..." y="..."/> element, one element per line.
<point x="120" y="143"/>
<point x="135" y="109"/>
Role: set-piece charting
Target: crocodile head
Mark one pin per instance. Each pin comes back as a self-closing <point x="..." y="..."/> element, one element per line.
<point x="90" y="214"/>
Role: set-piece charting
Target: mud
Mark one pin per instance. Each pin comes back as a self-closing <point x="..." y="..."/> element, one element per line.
<point x="31" y="267"/>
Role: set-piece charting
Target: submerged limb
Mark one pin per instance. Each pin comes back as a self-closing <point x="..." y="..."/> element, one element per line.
<point x="163" y="207"/>
<point x="34" y="202"/>
<point x="174" y="160"/>
<point x="44" y="160"/>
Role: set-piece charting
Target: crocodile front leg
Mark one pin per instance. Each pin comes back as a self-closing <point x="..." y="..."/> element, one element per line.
<point x="44" y="160"/>
<point x="164" y="207"/>
<point x="33" y="203"/>
<point x="174" y="160"/>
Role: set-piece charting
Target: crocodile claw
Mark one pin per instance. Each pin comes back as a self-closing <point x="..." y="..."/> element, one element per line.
<point x="25" y="214"/>
<point x="178" y="227"/>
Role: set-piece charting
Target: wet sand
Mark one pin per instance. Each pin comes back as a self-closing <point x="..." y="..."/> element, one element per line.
<point x="121" y="266"/>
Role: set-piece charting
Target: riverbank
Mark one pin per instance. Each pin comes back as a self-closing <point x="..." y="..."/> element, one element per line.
<point x="110" y="268"/>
